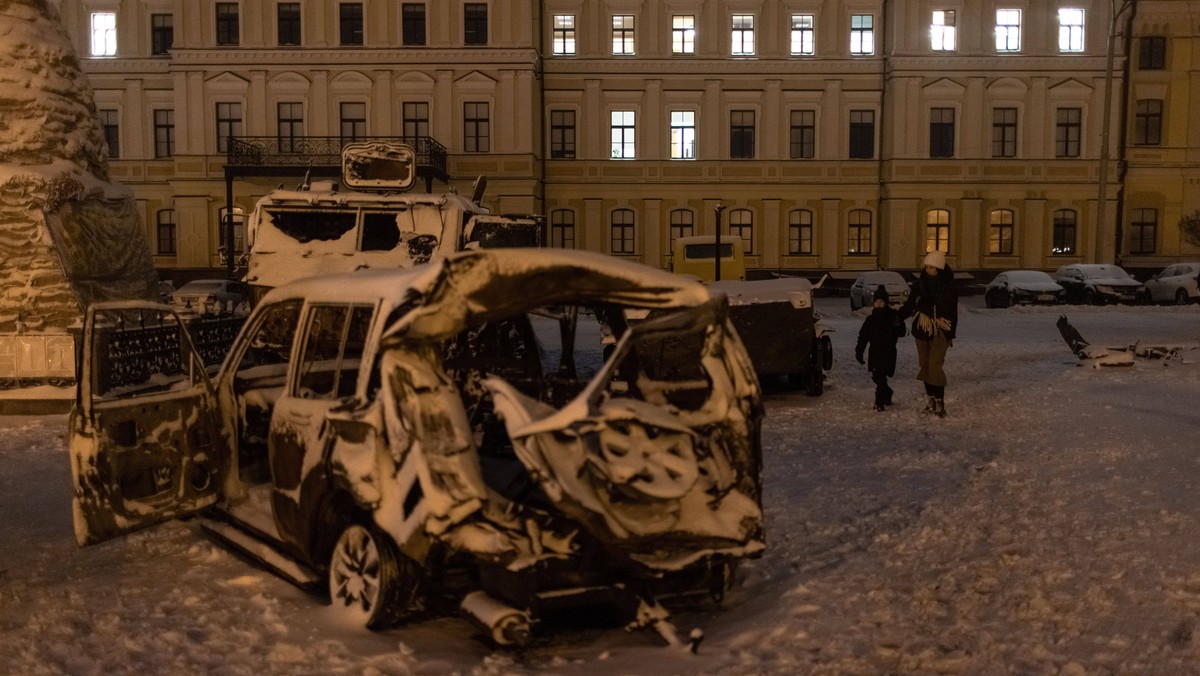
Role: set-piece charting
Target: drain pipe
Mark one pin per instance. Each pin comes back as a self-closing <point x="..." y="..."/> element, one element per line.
<point x="881" y="198"/>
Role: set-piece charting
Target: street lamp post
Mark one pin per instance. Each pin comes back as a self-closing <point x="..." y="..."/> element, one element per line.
<point x="717" y="247"/>
<point x="1102" y="197"/>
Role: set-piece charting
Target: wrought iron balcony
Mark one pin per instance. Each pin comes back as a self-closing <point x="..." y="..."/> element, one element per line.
<point x="269" y="155"/>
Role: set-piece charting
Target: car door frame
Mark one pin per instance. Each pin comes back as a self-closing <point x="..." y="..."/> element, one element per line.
<point x="174" y="438"/>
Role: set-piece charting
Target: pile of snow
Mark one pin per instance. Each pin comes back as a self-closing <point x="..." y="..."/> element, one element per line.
<point x="1048" y="525"/>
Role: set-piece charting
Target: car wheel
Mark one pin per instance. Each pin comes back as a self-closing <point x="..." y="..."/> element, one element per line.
<point x="1012" y="299"/>
<point x="1181" y="297"/>
<point x="1090" y="297"/>
<point x="814" y="383"/>
<point x="370" y="582"/>
<point x="987" y="301"/>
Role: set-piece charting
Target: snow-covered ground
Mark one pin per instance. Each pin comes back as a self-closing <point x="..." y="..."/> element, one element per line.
<point x="1049" y="525"/>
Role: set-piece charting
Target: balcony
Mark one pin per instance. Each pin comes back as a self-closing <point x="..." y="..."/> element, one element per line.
<point x="321" y="156"/>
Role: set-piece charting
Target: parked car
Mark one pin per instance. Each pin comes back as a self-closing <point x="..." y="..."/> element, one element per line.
<point x="863" y="289"/>
<point x="1178" y="283"/>
<point x="203" y="296"/>
<point x="1022" y="287"/>
<point x="1098" y="284"/>
<point x="472" y="433"/>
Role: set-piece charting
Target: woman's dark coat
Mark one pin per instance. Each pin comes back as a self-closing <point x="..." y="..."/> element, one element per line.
<point x="934" y="300"/>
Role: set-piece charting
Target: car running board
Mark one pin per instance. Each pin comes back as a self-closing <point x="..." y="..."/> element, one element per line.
<point x="264" y="555"/>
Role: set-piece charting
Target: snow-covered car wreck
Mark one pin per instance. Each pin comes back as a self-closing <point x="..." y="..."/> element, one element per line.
<point x="485" y="432"/>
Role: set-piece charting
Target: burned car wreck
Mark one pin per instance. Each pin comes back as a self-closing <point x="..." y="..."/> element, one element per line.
<point x="513" y="433"/>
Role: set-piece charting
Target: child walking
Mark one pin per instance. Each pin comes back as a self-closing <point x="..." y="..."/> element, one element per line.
<point x="880" y="330"/>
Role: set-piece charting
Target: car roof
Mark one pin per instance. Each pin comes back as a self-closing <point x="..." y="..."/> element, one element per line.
<point x="451" y="293"/>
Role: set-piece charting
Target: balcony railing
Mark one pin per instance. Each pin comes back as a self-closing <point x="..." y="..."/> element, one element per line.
<point x="286" y="154"/>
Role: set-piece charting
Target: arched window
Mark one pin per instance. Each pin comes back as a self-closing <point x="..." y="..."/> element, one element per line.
<point x="562" y="229"/>
<point x="165" y="232"/>
<point x="937" y="230"/>
<point x="1064" y="233"/>
<point x="858" y="232"/>
<point x="683" y="224"/>
<point x="1000" y="239"/>
<point x="800" y="231"/>
<point x="741" y="224"/>
<point x="622" y="231"/>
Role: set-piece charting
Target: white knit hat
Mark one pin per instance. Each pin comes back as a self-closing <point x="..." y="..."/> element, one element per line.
<point x="936" y="259"/>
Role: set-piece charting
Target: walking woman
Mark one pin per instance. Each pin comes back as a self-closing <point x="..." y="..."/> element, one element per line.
<point x="934" y="300"/>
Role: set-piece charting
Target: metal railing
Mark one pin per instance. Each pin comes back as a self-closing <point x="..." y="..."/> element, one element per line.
<point x="259" y="152"/>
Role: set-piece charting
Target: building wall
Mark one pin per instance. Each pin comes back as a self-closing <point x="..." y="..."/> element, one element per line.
<point x="523" y="80"/>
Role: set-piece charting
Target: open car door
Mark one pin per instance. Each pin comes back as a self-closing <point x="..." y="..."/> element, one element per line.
<point x="145" y="442"/>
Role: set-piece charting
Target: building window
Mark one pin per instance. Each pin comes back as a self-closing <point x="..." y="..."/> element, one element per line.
<point x="162" y="33"/>
<point x="228" y="31"/>
<point x="104" y="34"/>
<point x="290" y="125"/>
<point x="942" y="31"/>
<point x="804" y="42"/>
<point x="683" y="224"/>
<point x="165" y="231"/>
<point x="237" y="218"/>
<point x="741" y="134"/>
<point x="683" y="35"/>
<point x="229" y="124"/>
<point x="800" y="232"/>
<point x="564" y="35"/>
<point x="1143" y="230"/>
<point x="164" y="133"/>
<point x="622" y="135"/>
<point x="1070" y="29"/>
<point x="353" y="121"/>
<point x="622" y="35"/>
<point x="1152" y="52"/>
<point x="1147" y="122"/>
<point x="1063" y="234"/>
<point x="741" y="224"/>
<point x="937" y="230"/>
<point x="802" y="135"/>
<point x="287" y="24"/>
<point x="1067" y="131"/>
<point x="941" y="132"/>
<point x="683" y="135"/>
<point x="412" y="20"/>
<point x="1008" y="30"/>
<point x="562" y="229"/>
<point x="862" y="134"/>
<point x="562" y="134"/>
<point x="858" y="232"/>
<point x="477" y="131"/>
<point x="110" y="122"/>
<point x="475" y="23"/>
<point x="862" y="34"/>
<point x="416" y="120"/>
<point x="742" y="37"/>
<point x="1004" y="132"/>
<point x="622" y="231"/>
<point x="350" y="24"/>
<point x="1000" y="241"/>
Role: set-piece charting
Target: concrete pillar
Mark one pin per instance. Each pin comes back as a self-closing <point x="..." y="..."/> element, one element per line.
<point x="593" y="226"/>
<point x="1035" y="234"/>
<point x="972" y="243"/>
<point x="653" y="232"/>
<point x="771" y="238"/>
<point x="829" y="234"/>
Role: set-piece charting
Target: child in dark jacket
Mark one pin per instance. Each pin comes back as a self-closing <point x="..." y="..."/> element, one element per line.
<point x="880" y="330"/>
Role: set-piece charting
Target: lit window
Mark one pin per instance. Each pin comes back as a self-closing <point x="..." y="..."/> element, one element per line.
<point x="1070" y="30"/>
<point x="741" y="224"/>
<point x="937" y="230"/>
<point x="683" y="35"/>
<point x="800" y="232"/>
<point x="803" y="35"/>
<point x="858" y="232"/>
<point x="104" y="34"/>
<point x="622" y="135"/>
<point x="942" y="31"/>
<point x="1008" y="30"/>
<point x="683" y="135"/>
<point x="742" y="38"/>
<point x="564" y="34"/>
<point x="862" y="34"/>
<point x="622" y="35"/>
<point x="1001" y="240"/>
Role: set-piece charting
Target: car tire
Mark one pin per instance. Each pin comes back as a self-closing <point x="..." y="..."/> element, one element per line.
<point x="987" y="301"/>
<point x="1090" y="297"/>
<point x="371" y="583"/>
<point x="1182" y="298"/>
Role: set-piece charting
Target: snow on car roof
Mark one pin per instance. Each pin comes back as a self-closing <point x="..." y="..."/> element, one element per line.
<point x="1028" y="276"/>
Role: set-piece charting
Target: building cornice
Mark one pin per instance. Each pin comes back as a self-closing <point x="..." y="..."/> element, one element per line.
<point x="404" y="59"/>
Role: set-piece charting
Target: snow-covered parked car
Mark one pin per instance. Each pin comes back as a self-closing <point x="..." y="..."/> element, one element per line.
<point x="1178" y="283"/>
<point x="1022" y="287"/>
<point x="1099" y="283"/>
<point x="475" y="432"/>
<point x="862" y="291"/>
<point x="203" y="296"/>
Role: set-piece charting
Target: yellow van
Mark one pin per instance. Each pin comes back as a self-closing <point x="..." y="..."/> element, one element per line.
<point x="694" y="256"/>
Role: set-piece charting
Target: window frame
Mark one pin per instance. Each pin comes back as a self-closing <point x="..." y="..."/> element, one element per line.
<point x="683" y="37"/>
<point x="1008" y="33"/>
<point x="943" y="34"/>
<point x="164" y="133"/>
<point x="413" y="27"/>
<point x="162" y="33"/>
<point x="477" y="131"/>
<point x="862" y="35"/>
<point x="800" y="232"/>
<point x="287" y="126"/>
<point x="941" y="132"/>
<point x="859" y="232"/>
<point x="623" y="134"/>
<point x="741" y="35"/>
<point x="475" y="23"/>
<point x="1064" y="231"/>
<point x="802" y="134"/>
<point x="351" y="25"/>
<point x="861" y="135"/>
<point x="802" y="39"/>
<point x="741" y="224"/>
<point x="937" y="230"/>
<point x="1068" y="132"/>
<point x="1143" y="233"/>
<point x="1004" y="132"/>
<point x="1071" y="36"/>
<point x="1001" y="232"/>
<point x="103" y="42"/>
<point x="166" y="233"/>
<point x="683" y="134"/>
<point x="742" y="134"/>
<point x="289" y="27"/>
<point x="228" y="24"/>
<point x="416" y="122"/>
<point x="1152" y="52"/>
<point x="562" y="36"/>
<point x="563" y="134"/>
<point x="110" y="125"/>
<point x="679" y="226"/>
<point x="624" y="35"/>
<point x="231" y="125"/>
<point x="562" y="228"/>
<point x="1147" y="123"/>
<point x="358" y="124"/>
<point x="622" y="234"/>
